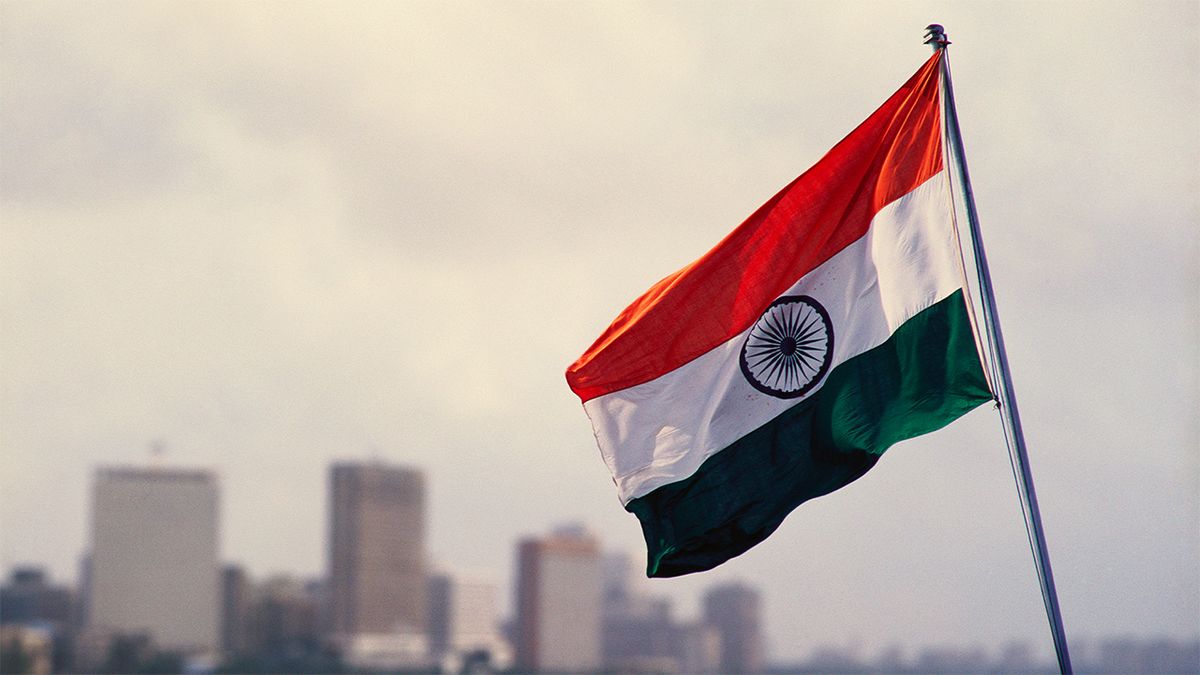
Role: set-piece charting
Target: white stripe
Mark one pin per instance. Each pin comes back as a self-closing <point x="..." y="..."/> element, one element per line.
<point x="661" y="431"/>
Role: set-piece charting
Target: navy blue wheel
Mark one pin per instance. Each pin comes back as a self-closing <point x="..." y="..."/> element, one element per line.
<point x="790" y="347"/>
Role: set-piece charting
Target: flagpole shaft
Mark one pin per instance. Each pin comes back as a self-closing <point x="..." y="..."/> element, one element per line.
<point x="1008" y="402"/>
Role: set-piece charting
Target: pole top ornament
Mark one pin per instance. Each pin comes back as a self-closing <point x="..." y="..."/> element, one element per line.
<point x="935" y="36"/>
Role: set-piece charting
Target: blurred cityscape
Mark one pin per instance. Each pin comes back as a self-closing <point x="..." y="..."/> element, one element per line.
<point x="155" y="597"/>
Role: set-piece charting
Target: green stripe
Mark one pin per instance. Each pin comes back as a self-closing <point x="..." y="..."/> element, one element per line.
<point x="925" y="376"/>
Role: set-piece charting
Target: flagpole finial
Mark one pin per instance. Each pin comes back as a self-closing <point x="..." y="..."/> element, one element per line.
<point x="935" y="36"/>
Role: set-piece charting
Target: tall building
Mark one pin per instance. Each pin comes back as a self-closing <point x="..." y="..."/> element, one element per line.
<point x="376" y="552"/>
<point x="560" y="583"/>
<point x="154" y="567"/>
<point x="736" y="612"/>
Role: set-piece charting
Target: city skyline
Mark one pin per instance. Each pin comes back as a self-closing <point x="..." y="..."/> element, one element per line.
<point x="155" y="591"/>
<point x="274" y="237"/>
<point x="34" y="604"/>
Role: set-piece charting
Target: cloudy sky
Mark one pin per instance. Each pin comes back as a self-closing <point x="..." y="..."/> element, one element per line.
<point x="274" y="235"/>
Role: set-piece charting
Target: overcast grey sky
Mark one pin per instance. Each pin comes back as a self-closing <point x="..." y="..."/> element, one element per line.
<point x="273" y="235"/>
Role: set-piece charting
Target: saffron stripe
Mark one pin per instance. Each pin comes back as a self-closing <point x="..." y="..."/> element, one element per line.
<point x="824" y="210"/>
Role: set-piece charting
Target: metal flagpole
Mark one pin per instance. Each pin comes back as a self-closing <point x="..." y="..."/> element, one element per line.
<point x="935" y="36"/>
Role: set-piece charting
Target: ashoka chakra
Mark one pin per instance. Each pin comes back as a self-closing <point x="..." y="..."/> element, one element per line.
<point x="789" y="348"/>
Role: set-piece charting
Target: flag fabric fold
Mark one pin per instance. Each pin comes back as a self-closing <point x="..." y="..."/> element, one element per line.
<point x="779" y="366"/>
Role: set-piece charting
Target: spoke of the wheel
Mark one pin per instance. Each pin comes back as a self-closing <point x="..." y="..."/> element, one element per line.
<point x="764" y="357"/>
<point x="807" y="356"/>
<point x="775" y="367"/>
<point x="809" y="339"/>
<point x="793" y="372"/>
<point x="797" y="370"/>
<point x="808" y="322"/>
<point x="765" y="328"/>
<point x="757" y="350"/>
<point x="767" y="361"/>
<point x="793" y="320"/>
<point x="779" y="331"/>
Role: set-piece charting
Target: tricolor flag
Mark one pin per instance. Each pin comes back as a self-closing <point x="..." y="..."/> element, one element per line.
<point x="779" y="366"/>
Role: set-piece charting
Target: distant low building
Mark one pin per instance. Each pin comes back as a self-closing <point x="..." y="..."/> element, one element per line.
<point x="235" y="609"/>
<point x="273" y="625"/>
<point x="29" y="596"/>
<point x="735" y="610"/>
<point x="640" y="635"/>
<point x="282" y="618"/>
<point x="29" y="599"/>
<point x="640" y="631"/>
<point x="464" y="622"/>
<point x="25" y="649"/>
<point x="387" y="652"/>
<point x="699" y="649"/>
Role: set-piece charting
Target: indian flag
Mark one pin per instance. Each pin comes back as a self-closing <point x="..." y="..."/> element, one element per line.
<point x="779" y="366"/>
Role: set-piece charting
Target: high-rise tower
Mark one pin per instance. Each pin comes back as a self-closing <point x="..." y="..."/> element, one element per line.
<point x="559" y="603"/>
<point x="154" y="557"/>
<point x="376" y="551"/>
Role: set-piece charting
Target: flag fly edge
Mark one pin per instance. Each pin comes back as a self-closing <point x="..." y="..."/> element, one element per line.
<point x="779" y="366"/>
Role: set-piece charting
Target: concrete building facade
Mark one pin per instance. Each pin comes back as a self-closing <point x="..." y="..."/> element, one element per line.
<point x="464" y="621"/>
<point x="560" y="583"/>
<point x="154" y="566"/>
<point x="377" y="568"/>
